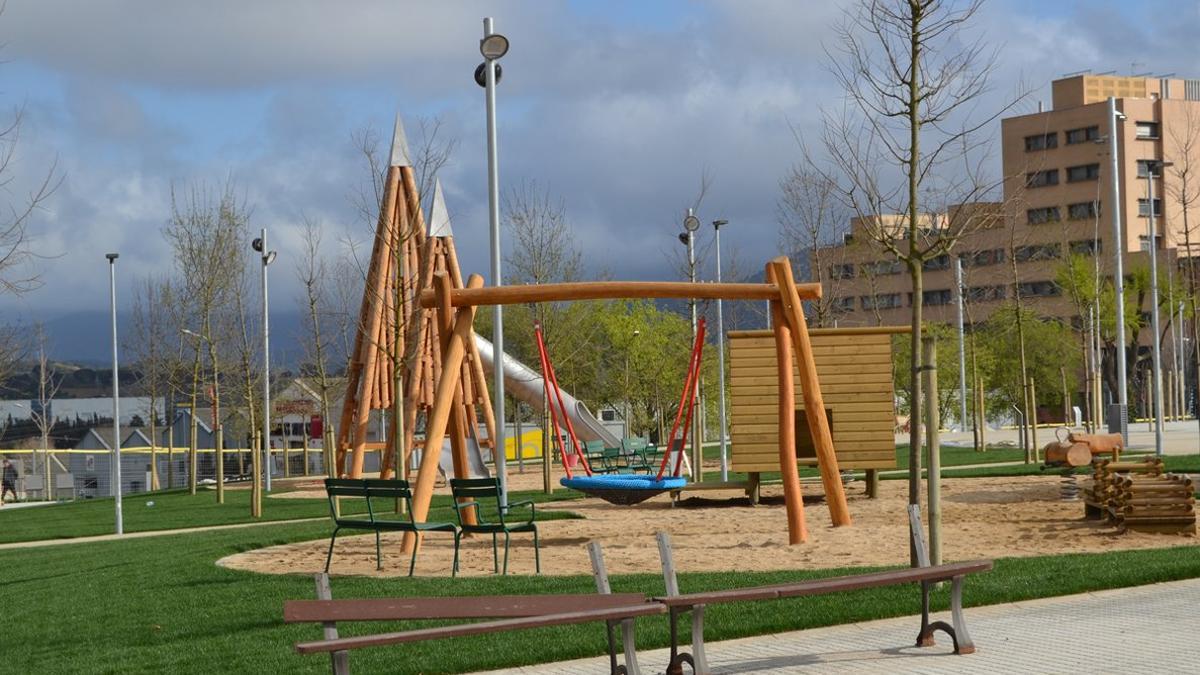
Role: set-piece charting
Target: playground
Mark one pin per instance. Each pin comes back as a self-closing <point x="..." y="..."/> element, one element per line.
<point x="982" y="518"/>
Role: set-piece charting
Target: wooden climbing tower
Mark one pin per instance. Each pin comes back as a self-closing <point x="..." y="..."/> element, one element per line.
<point x="394" y="329"/>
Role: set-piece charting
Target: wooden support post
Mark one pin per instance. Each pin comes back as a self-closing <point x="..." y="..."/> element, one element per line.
<point x="872" y="479"/>
<point x="600" y="574"/>
<point x="340" y="660"/>
<point x="933" y="442"/>
<point x="810" y="385"/>
<point x="457" y="423"/>
<point x="1033" y="416"/>
<point x="793" y="497"/>
<point x="439" y="414"/>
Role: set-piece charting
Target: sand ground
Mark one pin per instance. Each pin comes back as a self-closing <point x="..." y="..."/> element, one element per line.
<point x="981" y="518"/>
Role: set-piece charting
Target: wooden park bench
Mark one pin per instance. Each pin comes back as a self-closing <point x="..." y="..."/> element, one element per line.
<point x="927" y="575"/>
<point x="507" y="613"/>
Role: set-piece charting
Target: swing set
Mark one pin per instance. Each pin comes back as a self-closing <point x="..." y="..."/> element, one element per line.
<point x="623" y="488"/>
<point x="456" y="309"/>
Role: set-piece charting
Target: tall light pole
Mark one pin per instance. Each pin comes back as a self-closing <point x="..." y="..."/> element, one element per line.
<point x="1118" y="273"/>
<point x="690" y="224"/>
<point x="493" y="46"/>
<point x="721" y="357"/>
<point x="1152" y="167"/>
<point x="116" y="446"/>
<point x="268" y="257"/>
<point x="962" y="352"/>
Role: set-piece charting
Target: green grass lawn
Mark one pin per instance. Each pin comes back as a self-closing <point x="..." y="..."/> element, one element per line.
<point x="174" y="509"/>
<point x="159" y="604"/>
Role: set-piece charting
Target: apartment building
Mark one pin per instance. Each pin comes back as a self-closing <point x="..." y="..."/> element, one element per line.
<point x="1056" y="201"/>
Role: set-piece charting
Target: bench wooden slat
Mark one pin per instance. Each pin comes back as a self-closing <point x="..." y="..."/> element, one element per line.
<point x="461" y="607"/>
<point x="830" y="585"/>
<point x="465" y="629"/>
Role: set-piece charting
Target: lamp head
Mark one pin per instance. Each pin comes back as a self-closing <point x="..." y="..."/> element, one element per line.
<point x="493" y="46"/>
<point x="481" y="74"/>
<point x="112" y="256"/>
<point x="269" y="258"/>
<point x="257" y="244"/>
<point x="683" y="238"/>
<point x="718" y="224"/>
<point x="691" y="223"/>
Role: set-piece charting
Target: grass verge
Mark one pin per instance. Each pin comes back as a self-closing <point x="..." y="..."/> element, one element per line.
<point x="160" y="605"/>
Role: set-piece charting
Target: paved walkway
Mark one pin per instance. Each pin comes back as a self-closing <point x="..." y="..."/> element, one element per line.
<point x="1146" y="629"/>
<point x="150" y="533"/>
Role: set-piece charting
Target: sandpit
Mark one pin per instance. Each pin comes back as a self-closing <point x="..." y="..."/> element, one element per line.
<point x="982" y="518"/>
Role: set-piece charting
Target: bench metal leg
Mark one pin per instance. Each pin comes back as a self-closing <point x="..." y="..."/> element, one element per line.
<point x="506" y="553"/>
<point x="329" y="556"/>
<point x="495" y="557"/>
<point x="454" y="570"/>
<point x="379" y="552"/>
<point x="701" y="662"/>
<point x="958" y="632"/>
<point x="412" y="563"/>
<point x="537" y="556"/>
<point x="678" y="657"/>
<point x="339" y="661"/>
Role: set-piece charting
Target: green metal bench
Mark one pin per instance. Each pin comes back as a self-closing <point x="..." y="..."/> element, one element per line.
<point x="471" y="493"/>
<point x="371" y="489"/>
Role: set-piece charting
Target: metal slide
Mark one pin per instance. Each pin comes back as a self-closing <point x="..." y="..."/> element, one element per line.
<point x="526" y="384"/>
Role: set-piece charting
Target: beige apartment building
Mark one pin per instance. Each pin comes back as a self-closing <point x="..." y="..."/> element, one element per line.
<point x="1056" y="201"/>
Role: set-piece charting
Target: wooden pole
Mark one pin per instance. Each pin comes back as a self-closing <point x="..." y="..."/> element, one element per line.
<point x="439" y="414"/>
<point x="810" y="387"/>
<point x="793" y="497"/>
<point x="616" y="290"/>
<point x="457" y="423"/>
<point x="932" y="424"/>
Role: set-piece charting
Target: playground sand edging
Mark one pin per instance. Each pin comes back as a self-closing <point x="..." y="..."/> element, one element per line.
<point x="981" y="518"/>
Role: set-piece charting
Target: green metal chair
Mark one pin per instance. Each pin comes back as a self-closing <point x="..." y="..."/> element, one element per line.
<point x="636" y="459"/>
<point x="594" y="450"/>
<point x="476" y="493"/>
<point x="374" y="488"/>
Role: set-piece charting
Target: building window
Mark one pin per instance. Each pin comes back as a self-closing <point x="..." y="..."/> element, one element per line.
<point x="1147" y="130"/>
<point x="1039" y="289"/>
<point x="1083" y="172"/>
<point x="1036" y="252"/>
<point x="1082" y="210"/>
<point x="1041" y="142"/>
<point x="938" y="297"/>
<point x="985" y="293"/>
<point x="1048" y="214"/>
<point x="1041" y="178"/>
<point x="608" y="415"/>
<point x="884" y="301"/>
<point x="845" y="271"/>
<point x="1144" y="208"/>
<point x="993" y="256"/>
<point x="941" y="262"/>
<point x="880" y="268"/>
<point x="1149" y="167"/>
<point x="843" y="304"/>
<point x="1085" y="247"/>
<point x="1083" y="135"/>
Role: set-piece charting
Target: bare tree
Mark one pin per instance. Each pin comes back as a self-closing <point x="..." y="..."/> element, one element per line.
<point x="313" y="274"/>
<point x="43" y="417"/>
<point x="205" y="231"/>
<point x="1185" y="191"/>
<point x="151" y="342"/>
<point x="811" y="216"/>
<point x="908" y="142"/>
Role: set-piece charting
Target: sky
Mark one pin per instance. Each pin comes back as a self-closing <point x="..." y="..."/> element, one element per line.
<point x="618" y="108"/>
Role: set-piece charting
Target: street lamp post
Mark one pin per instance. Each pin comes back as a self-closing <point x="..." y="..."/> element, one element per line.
<point x="721" y="358"/>
<point x="1156" y="341"/>
<point x="1118" y="274"/>
<point x="493" y="46"/>
<point x="116" y="447"/>
<point x="268" y="257"/>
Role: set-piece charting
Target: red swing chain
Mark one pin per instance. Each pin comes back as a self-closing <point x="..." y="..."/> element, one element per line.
<point x="554" y="396"/>
<point x="687" y="399"/>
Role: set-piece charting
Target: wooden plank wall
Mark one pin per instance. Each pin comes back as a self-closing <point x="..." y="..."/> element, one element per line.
<point x="855" y="368"/>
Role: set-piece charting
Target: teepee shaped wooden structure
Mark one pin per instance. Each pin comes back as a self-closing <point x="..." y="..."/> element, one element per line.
<point x="399" y="342"/>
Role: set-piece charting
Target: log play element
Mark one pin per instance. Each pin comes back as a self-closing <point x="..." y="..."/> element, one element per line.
<point x="400" y="343"/>
<point x="456" y="307"/>
<point x="1139" y="497"/>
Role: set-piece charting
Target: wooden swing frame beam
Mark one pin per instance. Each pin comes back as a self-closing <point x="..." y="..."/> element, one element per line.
<point x="791" y="331"/>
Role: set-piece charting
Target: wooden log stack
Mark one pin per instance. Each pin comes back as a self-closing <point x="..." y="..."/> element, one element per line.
<point x="1139" y="496"/>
